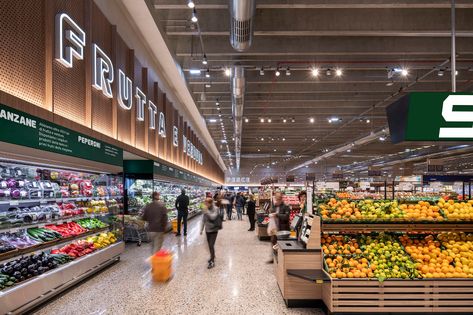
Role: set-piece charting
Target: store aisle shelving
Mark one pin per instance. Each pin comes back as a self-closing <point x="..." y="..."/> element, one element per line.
<point x="241" y="282"/>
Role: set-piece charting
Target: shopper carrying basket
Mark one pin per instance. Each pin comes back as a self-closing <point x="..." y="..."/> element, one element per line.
<point x="156" y="215"/>
<point x="211" y="222"/>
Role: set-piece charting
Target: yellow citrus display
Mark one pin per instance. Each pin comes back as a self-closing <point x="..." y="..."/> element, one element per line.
<point x="457" y="210"/>
<point x="423" y="210"/>
<point x="431" y="261"/>
<point x="339" y="245"/>
<point x="348" y="267"/>
<point x="459" y="247"/>
<point x="102" y="240"/>
<point x="341" y="209"/>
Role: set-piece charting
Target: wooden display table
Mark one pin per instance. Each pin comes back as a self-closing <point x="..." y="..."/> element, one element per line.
<point x="294" y="266"/>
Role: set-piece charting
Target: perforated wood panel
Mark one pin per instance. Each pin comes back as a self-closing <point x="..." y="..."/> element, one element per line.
<point x="123" y="116"/>
<point x="139" y="125"/>
<point x="69" y="83"/>
<point x="101" y="105"/>
<point x="161" y="141"/>
<point x="152" y="96"/>
<point x="22" y="54"/>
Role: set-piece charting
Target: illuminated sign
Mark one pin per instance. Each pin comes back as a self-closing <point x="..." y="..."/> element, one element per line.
<point x="70" y="44"/>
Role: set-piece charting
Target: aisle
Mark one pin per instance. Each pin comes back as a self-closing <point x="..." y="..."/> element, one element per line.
<point x="241" y="282"/>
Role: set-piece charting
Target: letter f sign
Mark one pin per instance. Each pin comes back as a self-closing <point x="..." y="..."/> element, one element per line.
<point x="70" y="40"/>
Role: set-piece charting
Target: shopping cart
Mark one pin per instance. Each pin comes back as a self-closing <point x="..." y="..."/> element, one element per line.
<point x="135" y="230"/>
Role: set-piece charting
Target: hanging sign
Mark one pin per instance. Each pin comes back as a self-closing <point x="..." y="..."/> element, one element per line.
<point x="431" y="117"/>
<point x="23" y="129"/>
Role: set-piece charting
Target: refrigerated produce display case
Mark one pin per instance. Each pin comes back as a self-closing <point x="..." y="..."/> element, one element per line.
<point x="57" y="226"/>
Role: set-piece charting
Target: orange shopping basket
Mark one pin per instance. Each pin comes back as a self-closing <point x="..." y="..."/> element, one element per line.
<point x="161" y="264"/>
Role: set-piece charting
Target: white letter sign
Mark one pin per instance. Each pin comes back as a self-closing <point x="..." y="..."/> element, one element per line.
<point x="152" y="115"/>
<point x="162" y="125"/>
<point x="125" y="86"/>
<point x="140" y="104"/>
<point x="102" y="71"/>
<point x="457" y="116"/>
<point x="175" y="136"/>
<point x="75" y="36"/>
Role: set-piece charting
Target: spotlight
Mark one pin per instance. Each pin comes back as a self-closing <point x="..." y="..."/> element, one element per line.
<point x="262" y="139"/>
<point x="269" y="120"/>
<point x="441" y="73"/>
<point x="283" y="139"/>
<point x="288" y="71"/>
<point x="194" y="16"/>
<point x="404" y="72"/>
<point x="338" y="72"/>
<point x="191" y="4"/>
<point x="293" y="120"/>
<point x="312" y="120"/>
<point x="390" y="83"/>
<point x="261" y="71"/>
<point x="456" y="72"/>
<point x="328" y="72"/>
<point x="289" y="151"/>
<point x="247" y="120"/>
<point x="262" y="120"/>
<point x="227" y="72"/>
<point x="315" y="72"/>
<point x="382" y="138"/>
<point x="208" y="85"/>
<point x="194" y="71"/>
<point x="284" y="120"/>
<point x="207" y="74"/>
<point x="277" y="73"/>
<point x="204" y="60"/>
<point x="368" y="121"/>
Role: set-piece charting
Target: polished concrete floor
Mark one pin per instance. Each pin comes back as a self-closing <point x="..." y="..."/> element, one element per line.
<point x="241" y="282"/>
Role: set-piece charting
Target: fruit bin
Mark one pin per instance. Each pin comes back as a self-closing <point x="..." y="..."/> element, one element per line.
<point x="367" y="296"/>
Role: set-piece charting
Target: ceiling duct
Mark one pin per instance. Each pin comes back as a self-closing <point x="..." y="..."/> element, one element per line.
<point x="238" y="99"/>
<point x="242" y="13"/>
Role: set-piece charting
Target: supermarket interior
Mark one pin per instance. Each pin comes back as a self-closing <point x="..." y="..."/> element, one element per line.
<point x="236" y="157"/>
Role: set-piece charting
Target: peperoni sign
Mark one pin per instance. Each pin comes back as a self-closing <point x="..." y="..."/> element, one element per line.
<point x="70" y="45"/>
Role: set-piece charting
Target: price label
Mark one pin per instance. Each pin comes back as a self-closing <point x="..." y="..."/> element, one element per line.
<point x="14" y="203"/>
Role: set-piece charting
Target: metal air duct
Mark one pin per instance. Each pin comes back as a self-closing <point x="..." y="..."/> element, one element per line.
<point x="241" y="23"/>
<point x="238" y="99"/>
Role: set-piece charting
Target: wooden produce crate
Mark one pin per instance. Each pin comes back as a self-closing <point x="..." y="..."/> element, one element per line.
<point x="408" y="296"/>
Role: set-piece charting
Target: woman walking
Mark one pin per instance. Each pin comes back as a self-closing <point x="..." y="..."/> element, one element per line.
<point x="212" y="222"/>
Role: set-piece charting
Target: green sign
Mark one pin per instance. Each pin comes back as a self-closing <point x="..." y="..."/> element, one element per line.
<point x="23" y="129"/>
<point x="431" y="117"/>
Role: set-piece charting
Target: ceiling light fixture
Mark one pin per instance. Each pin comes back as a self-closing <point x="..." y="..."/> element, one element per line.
<point x="390" y="83"/>
<point x="191" y="4"/>
<point x="261" y="71"/>
<point x="368" y="121"/>
<point x="212" y="120"/>
<point x="293" y="120"/>
<point x="262" y="139"/>
<point x="315" y="72"/>
<point x="404" y="72"/>
<point x="284" y="120"/>
<point x="382" y="138"/>
<point x="247" y="120"/>
<point x="208" y="85"/>
<point x="207" y="74"/>
<point x="328" y="72"/>
<point x="194" y="16"/>
<point x="312" y="120"/>
<point x="262" y="120"/>
<point x="269" y="120"/>
<point x="194" y="71"/>
<point x="204" y="60"/>
<point x="227" y="72"/>
<point x="456" y="72"/>
<point x="288" y="71"/>
<point x="339" y="72"/>
<point x="289" y="151"/>
<point x="277" y="73"/>
<point x="441" y="73"/>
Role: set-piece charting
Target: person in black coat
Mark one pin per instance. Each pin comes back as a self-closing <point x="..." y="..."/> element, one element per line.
<point x="251" y="211"/>
<point x="182" y="206"/>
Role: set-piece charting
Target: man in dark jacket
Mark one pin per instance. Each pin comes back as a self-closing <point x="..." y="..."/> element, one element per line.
<point x="230" y="200"/>
<point x="156" y="214"/>
<point x="240" y="204"/>
<point x="182" y="206"/>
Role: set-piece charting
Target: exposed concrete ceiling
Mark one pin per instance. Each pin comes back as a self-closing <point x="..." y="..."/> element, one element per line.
<point x="364" y="39"/>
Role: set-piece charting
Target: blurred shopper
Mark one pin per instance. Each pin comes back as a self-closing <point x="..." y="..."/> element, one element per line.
<point x="303" y="201"/>
<point x="182" y="206"/>
<point x="251" y="211"/>
<point x="211" y="222"/>
<point x="221" y="205"/>
<point x="279" y="219"/>
<point x="240" y="204"/>
<point x="156" y="215"/>
<point x="230" y="200"/>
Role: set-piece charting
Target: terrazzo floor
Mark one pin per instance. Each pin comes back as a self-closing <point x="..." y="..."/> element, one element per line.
<point x="240" y="283"/>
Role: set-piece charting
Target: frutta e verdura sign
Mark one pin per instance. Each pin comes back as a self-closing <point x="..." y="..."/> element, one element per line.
<point x="434" y="116"/>
<point x="19" y="128"/>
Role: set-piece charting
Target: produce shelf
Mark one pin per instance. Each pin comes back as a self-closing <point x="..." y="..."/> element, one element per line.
<point x="20" y="202"/>
<point x="49" y="245"/>
<point x="444" y="226"/>
<point x="57" y="221"/>
<point x="24" y="296"/>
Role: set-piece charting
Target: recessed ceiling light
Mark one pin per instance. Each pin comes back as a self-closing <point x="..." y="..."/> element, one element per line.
<point x="339" y="72"/>
<point x="283" y="139"/>
<point x="274" y="150"/>
<point x="227" y="72"/>
<point x="269" y="120"/>
<point x="284" y="120"/>
<point x="259" y="150"/>
<point x="247" y="120"/>
<point x="312" y="120"/>
<point x="277" y="73"/>
<point x="368" y="121"/>
<point x="404" y="72"/>
<point x="289" y="151"/>
<point x="262" y="120"/>
<point x="194" y="71"/>
<point x="262" y="139"/>
<point x="315" y="72"/>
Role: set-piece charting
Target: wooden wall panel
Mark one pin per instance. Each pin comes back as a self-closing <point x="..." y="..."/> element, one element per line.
<point x="175" y="119"/>
<point x="156" y="102"/>
<point x="69" y="87"/>
<point x="152" y="132"/>
<point x="139" y="125"/>
<point x="161" y="141"/>
<point x="22" y="49"/>
<point x="123" y="60"/>
<point x="168" y="114"/>
<point x="101" y="105"/>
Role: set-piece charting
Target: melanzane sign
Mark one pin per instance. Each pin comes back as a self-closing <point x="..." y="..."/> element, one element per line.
<point x="70" y="45"/>
<point x="431" y="117"/>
